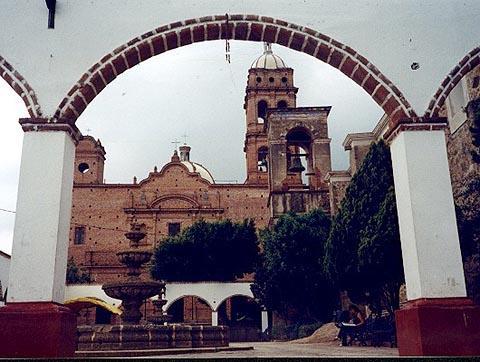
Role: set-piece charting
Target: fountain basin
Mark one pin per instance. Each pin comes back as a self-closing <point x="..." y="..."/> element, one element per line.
<point x="132" y="293"/>
<point x="133" y="258"/>
<point x="148" y="336"/>
<point x="133" y="289"/>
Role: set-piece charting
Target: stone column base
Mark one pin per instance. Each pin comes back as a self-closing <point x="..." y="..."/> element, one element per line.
<point x="37" y="329"/>
<point x="439" y="327"/>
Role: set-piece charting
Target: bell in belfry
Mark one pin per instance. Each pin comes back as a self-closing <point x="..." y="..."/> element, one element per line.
<point x="296" y="165"/>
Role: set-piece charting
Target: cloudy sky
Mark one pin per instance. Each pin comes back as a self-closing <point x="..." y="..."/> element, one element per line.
<point x="194" y="91"/>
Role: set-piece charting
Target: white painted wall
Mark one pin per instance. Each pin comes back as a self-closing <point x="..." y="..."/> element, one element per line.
<point x="426" y="214"/>
<point x="40" y="237"/>
<point x="214" y="293"/>
<point x="392" y="35"/>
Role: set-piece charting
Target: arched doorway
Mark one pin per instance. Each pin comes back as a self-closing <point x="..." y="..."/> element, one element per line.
<point x="243" y="316"/>
<point x="190" y="309"/>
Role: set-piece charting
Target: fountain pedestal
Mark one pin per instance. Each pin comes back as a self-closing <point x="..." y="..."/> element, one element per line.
<point x="133" y="292"/>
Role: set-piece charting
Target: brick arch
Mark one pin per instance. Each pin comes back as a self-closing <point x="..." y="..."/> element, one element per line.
<point x="468" y="62"/>
<point x="170" y="303"/>
<point x="18" y="83"/>
<point x="235" y="27"/>
<point x="185" y="198"/>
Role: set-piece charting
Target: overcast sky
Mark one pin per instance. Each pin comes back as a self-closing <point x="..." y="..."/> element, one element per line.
<point x="194" y="91"/>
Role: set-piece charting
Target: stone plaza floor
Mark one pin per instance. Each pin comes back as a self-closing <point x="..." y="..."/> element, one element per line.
<point x="285" y="349"/>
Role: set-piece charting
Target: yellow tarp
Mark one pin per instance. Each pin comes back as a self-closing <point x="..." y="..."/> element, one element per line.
<point x="78" y="304"/>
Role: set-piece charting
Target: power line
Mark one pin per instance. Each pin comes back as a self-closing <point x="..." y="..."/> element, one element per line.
<point x="105" y="228"/>
<point x="5" y="210"/>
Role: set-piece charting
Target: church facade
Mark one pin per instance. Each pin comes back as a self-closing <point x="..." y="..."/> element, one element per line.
<point x="287" y="152"/>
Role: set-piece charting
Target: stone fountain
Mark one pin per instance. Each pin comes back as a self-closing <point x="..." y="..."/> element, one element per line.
<point x="154" y="334"/>
<point x="133" y="291"/>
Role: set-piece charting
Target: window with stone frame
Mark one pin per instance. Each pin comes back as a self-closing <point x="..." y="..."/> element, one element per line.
<point x="173" y="228"/>
<point x="79" y="238"/>
<point x="456" y="102"/>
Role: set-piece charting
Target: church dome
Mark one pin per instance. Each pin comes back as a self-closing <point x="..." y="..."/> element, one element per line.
<point x="196" y="167"/>
<point x="268" y="60"/>
<point x="193" y="166"/>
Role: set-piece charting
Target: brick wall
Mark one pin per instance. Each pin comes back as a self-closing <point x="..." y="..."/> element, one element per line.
<point x="171" y="195"/>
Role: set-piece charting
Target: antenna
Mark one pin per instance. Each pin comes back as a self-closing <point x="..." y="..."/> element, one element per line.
<point x="227" y="42"/>
<point x="184" y="136"/>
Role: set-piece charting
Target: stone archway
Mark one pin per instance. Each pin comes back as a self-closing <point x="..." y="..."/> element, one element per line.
<point x="468" y="62"/>
<point x="244" y="316"/>
<point x="20" y="85"/>
<point x="430" y="245"/>
<point x="190" y="308"/>
<point x="235" y="27"/>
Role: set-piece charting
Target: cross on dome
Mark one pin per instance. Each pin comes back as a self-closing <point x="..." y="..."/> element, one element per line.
<point x="267" y="48"/>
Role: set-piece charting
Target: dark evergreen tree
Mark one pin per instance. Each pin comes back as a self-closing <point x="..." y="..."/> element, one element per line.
<point x="363" y="199"/>
<point x="380" y="256"/>
<point x="289" y="278"/>
<point x="363" y="252"/>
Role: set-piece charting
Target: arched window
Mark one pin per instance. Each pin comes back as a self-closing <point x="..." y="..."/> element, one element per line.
<point x="282" y="104"/>
<point x="262" y="111"/>
<point x="262" y="159"/>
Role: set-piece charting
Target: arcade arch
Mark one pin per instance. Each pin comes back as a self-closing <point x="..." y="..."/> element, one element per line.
<point x="466" y="64"/>
<point x="235" y="27"/>
<point x="20" y="85"/>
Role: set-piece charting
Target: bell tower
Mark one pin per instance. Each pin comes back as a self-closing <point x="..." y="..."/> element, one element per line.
<point x="269" y="85"/>
<point x="89" y="161"/>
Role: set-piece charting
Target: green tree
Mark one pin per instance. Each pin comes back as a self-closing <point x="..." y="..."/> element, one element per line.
<point x="221" y="251"/>
<point x="289" y="276"/>
<point x="380" y="254"/>
<point x="75" y="275"/>
<point x="364" y="234"/>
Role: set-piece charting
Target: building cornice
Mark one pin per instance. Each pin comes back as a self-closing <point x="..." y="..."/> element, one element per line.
<point x="338" y="176"/>
<point x="41" y="124"/>
<point x="353" y="139"/>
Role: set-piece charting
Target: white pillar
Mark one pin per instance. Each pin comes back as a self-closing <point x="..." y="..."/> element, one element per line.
<point x="40" y="241"/>
<point x="426" y="214"/>
<point x="264" y="320"/>
<point x="214" y="318"/>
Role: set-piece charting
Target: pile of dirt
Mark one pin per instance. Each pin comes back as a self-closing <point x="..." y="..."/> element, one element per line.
<point x="325" y="333"/>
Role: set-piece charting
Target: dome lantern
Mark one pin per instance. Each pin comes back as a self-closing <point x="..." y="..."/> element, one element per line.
<point x="268" y="60"/>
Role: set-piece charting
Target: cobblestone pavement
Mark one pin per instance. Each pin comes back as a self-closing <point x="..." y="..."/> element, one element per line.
<point x="284" y="349"/>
